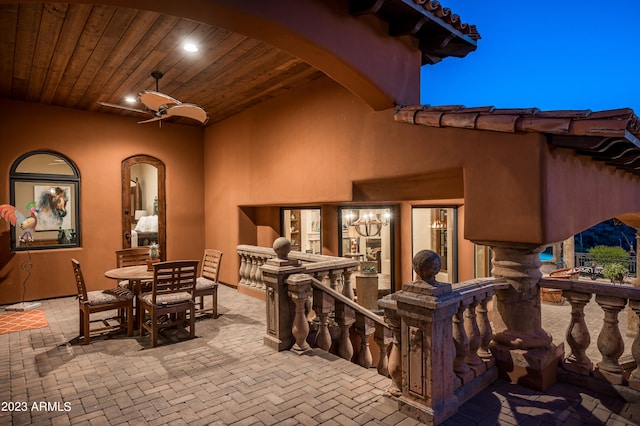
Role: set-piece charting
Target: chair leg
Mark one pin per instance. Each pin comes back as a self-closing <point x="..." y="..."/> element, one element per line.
<point x="141" y="313"/>
<point x="215" y="302"/>
<point x="81" y="322"/>
<point x="86" y="324"/>
<point x="130" y="320"/>
<point x="154" y="329"/>
<point x="192" y="321"/>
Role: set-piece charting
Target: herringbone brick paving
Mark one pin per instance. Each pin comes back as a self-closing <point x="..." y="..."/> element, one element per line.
<point x="226" y="376"/>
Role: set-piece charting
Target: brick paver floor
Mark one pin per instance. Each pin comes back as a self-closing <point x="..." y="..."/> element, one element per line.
<point x="226" y="376"/>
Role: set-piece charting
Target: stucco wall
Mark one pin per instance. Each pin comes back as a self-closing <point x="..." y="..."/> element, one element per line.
<point x="311" y="145"/>
<point x="97" y="144"/>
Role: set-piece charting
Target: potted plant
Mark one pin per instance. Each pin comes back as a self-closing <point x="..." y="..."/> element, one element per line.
<point x="615" y="272"/>
<point x="154" y="255"/>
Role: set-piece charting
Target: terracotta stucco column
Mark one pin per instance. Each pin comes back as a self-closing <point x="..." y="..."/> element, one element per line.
<point x="524" y="352"/>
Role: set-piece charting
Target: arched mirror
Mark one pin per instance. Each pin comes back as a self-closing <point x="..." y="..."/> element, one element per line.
<point x="143" y="203"/>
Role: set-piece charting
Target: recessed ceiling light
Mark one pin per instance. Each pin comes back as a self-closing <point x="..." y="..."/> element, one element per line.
<point x="130" y="99"/>
<point x="190" y="47"/>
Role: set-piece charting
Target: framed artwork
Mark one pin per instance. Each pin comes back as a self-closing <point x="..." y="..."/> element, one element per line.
<point x="53" y="204"/>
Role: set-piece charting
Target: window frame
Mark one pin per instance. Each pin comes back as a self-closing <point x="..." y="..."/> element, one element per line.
<point x="72" y="180"/>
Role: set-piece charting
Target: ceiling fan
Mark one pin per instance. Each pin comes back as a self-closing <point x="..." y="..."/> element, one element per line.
<point x="162" y="106"/>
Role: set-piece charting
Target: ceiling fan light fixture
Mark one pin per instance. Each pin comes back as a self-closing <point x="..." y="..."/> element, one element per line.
<point x="130" y="99"/>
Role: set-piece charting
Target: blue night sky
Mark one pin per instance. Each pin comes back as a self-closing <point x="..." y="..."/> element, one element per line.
<point x="567" y="54"/>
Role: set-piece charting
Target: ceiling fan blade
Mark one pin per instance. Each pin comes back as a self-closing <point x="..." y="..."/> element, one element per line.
<point x="151" y="120"/>
<point x="155" y="100"/>
<point x="189" y="111"/>
<point x="107" y="104"/>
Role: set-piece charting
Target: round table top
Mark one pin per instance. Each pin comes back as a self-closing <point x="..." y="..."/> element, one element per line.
<point x="137" y="272"/>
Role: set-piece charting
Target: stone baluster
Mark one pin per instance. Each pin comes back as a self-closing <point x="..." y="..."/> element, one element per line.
<point x="323" y="305"/>
<point x="394" y="322"/>
<point x="486" y="333"/>
<point x="333" y="280"/>
<point x="383" y="338"/>
<point x="461" y="343"/>
<point x="347" y="288"/>
<point x="523" y="351"/>
<point x="578" y="337"/>
<point x="610" y="343"/>
<point x="259" y="278"/>
<point x="345" y="317"/>
<point x="253" y="275"/>
<point x="473" y="333"/>
<point x="244" y="267"/>
<point x="279" y="306"/>
<point x="364" y="327"/>
<point x="299" y="290"/>
<point x="634" y="377"/>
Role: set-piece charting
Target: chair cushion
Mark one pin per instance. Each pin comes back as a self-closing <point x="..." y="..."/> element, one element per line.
<point x="124" y="284"/>
<point x="167" y="299"/>
<point x="103" y="297"/>
<point x="205" y="283"/>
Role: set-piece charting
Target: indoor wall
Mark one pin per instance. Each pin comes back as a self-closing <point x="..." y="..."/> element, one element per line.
<point x="97" y="144"/>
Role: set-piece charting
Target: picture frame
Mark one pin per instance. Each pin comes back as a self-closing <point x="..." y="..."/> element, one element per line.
<point x="53" y="203"/>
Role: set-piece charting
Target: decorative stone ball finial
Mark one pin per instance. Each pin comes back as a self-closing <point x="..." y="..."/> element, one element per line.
<point x="427" y="264"/>
<point x="282" y="247"/>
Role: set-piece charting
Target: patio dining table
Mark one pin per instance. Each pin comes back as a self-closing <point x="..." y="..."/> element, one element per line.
<point x="136" y="275"/>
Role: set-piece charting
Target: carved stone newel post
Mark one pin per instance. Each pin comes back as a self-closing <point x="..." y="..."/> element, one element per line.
<point x="524" y="352"/>
<point x="426" y="308"/>
<point x="280" y="307"/>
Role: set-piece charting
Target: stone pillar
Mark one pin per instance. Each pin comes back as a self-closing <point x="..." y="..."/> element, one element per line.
<point x="524" y="352"/>
<point x="428" y="352"/>
<point x="280" y="308"/>
<point x="569" y="250"/>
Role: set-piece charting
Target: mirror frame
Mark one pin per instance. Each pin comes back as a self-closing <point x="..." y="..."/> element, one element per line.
<point x="126" y="200"/>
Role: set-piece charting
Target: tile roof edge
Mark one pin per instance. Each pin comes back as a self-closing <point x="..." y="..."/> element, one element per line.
<point x="530" y="120"/>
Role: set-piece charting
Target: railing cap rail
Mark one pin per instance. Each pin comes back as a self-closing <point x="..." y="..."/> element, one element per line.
<point x="592" y="287"/>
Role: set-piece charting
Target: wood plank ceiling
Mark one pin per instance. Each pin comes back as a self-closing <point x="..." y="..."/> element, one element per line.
<point x="76" y="55"/>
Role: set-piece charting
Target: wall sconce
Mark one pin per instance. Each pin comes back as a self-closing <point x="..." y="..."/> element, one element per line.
<point x="369" y="224"/>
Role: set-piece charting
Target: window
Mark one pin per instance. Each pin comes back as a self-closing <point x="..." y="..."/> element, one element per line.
<point x="46" y="183"/>
<point x="435" y="228"/>
<point x="301" y="226"/>
<point x="366" y="234"/>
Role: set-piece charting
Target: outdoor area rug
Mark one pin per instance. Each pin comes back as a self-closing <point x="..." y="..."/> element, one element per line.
<point x="19" y="321"/>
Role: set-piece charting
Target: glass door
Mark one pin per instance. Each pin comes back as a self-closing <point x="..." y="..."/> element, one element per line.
<point x="435" y="228"/>
<point x="302" y="227"/>
<point x="366" y="234"/>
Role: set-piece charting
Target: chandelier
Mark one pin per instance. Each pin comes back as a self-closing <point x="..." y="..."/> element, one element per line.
<point x="369" y="224"/>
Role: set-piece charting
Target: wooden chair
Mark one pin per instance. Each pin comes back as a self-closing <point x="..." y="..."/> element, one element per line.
<point x="207" y="282"/>
<point x="171" y="298"/>
<point x="120" y="299"/>
<point x="131" y="257"/>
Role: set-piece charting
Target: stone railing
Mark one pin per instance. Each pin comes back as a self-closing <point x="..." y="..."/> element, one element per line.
<point x="334" y="271"/>
<point x="433" y="341"/>
<point x="612" y="299"/>
<point x="441" y="335"/>
<point x="299" y="295"/>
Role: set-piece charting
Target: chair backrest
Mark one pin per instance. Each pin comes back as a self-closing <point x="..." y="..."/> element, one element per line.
<point x="132" y="256"/>
<point x="82" y="288"/>
<point x="211" y="264"/>
<point x="174" y="277"/>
